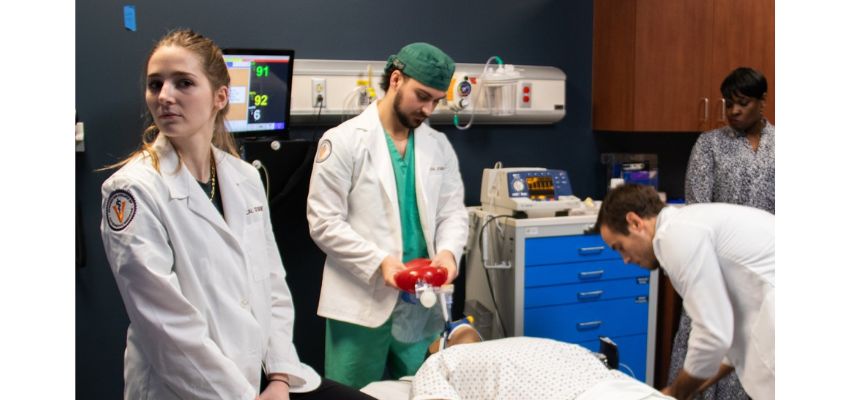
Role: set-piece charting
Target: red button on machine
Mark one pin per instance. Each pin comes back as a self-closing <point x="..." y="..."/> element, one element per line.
<point x="526" y="95"/>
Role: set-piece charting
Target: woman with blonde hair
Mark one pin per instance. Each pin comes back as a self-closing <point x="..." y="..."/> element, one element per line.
<point x="187" y="232"/>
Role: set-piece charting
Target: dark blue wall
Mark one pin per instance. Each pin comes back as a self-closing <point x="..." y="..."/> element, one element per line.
<point x="109" y="100"/>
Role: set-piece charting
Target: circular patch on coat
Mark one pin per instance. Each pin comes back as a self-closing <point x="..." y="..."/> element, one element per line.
<point x="120" y="209"/>
<point x="324" y="151"/>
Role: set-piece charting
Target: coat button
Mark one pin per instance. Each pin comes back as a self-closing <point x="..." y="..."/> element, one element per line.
<point x="244" y="303"/>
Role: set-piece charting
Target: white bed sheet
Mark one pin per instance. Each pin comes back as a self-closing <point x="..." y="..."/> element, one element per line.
<point x="614" y="389"/>
<point x="390" y="390"/>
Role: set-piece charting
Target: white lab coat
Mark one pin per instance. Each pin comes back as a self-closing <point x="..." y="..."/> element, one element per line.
<point x="352" y="209"/>
<point x="720" y="259"/>
<point x="207" y="299"/>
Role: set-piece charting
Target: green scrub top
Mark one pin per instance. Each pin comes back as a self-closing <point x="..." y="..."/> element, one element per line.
<point x="413" y="240"/>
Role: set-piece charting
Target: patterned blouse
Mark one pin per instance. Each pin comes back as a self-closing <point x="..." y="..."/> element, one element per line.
<point x="724" y="169"/>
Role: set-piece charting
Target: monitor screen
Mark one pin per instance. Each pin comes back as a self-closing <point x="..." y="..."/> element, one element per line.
<point x="260" y="89"/>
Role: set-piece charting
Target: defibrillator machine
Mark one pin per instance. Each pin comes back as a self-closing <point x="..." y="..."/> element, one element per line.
<point x="527" y="192"/>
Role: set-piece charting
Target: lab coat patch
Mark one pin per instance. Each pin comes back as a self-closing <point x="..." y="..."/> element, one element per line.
<point x="120" y="209"/>
<point x="324" y="151"/>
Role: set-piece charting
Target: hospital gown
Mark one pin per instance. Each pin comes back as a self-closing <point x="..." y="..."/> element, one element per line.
<point x="521" y="368"/>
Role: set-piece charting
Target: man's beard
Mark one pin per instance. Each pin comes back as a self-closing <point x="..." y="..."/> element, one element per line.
<point x="402" y="118"/>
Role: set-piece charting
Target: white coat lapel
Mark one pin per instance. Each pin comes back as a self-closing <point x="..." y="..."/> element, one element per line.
<point x="380" y="155"/>
<point x="425" y="148"/>
<point x="182" y="185"/>
<point x="233" y="194"/>
<point x="200" y="203"/>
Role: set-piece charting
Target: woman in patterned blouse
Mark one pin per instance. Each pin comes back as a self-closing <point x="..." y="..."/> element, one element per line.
<point x="732" y="164"/>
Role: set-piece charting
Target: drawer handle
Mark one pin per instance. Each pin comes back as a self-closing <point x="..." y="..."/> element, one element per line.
<point x="583" y="326"/>
<point x="590" y="250"/>
<point x="590" y="295"/>
<point x="641" y="299"/>
<point x="642" y="280"/>
<point x="591" y="274"/>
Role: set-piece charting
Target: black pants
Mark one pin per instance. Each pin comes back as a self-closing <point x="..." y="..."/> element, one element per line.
<point x="328" y="390"/>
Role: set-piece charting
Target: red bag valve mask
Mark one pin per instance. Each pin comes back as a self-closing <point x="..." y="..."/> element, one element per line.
<point x="422" y="279"/>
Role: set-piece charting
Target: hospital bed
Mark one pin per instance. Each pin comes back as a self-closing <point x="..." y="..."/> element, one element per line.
<point x="514" y="368"/>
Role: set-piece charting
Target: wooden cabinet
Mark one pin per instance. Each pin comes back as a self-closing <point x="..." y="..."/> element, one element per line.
<point x="658" y="64"/>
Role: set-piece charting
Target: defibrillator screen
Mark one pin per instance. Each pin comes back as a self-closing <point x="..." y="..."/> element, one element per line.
<point x="540" y="187"/>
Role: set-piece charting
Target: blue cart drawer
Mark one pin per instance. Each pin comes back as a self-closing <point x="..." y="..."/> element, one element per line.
<point x="586" y="292"/>
<point x="587" y="321"/>
<point x="632" y="351"/>
<point x="555" y="274"/>
<point x="563" y="249"/>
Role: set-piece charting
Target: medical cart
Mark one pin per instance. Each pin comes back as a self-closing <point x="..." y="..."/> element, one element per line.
<point x="551" y="279"/>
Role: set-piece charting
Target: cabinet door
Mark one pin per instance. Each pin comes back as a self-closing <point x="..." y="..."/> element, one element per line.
<point x="743" y="36"/>
<point x="613" y="65"/>
<point x="673" y="49"/>
<point x="650" y="64"/>
<point x="658" y="64"/>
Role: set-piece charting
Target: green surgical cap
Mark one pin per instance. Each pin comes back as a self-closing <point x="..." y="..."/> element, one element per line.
<point x="425" y="63"/>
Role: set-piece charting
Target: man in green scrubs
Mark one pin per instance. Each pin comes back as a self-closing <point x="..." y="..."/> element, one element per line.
<point x="386" y="189"/>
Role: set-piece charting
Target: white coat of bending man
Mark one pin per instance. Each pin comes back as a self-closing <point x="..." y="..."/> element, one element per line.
<point x="720" y="259"/>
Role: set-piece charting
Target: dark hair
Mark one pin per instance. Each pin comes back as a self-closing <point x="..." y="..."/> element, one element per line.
<point x="385" y="79"/>
<point x="744" y="81"/>
<point x="642" y="200"/>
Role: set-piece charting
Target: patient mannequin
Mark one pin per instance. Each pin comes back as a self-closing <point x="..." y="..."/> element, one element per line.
<point x="462" y="334"/>
<point x="512" y="368"/>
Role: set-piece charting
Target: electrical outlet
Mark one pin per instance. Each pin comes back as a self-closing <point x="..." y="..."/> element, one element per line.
<point x="320" y="88"/>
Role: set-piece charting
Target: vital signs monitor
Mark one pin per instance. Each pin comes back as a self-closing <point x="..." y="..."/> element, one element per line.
<point x="260" y="90"/>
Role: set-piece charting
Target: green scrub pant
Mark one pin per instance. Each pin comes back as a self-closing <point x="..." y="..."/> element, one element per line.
<point x="356" y="355"/>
